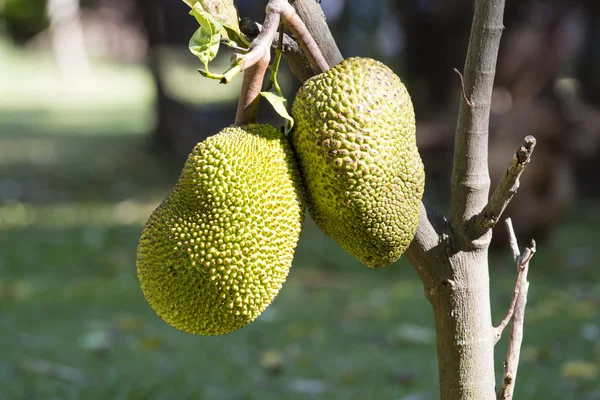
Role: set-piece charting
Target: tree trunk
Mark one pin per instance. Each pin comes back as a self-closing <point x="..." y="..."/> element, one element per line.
<point x="456" y="284"/>
<point x="465" y="342"/>
<point x="68" y="40"/>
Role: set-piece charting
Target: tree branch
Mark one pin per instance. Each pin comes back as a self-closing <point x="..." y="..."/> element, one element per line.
<point x="292" y="52"/>
<point x="311" y="13"/>
<point x="261" y="46"/>
<point x="516" y="335"/>
<point x="511" y="308"/>
<point x="301" y="33"/>
<point x="470" y="177"/>
<point x="507" y="188"/>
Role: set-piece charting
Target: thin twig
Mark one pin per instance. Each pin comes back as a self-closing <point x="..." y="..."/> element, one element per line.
<point x="518" y="316"/>
<point x="505" y="191"/>
<point x="233" y="46"/>
<point x="260" y="49"/>
<point x="511" y="309"/>
<point x="512" y="240"/>
<point x="462" y="85"/>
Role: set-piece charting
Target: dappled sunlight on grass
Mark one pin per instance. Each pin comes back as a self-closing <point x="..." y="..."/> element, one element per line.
<point x="65" y="215"/>
<point x="70" y="168"/>
<point x="36" y="84"/>
<point x="95" y="120"/>
<point x="40" y="151"/>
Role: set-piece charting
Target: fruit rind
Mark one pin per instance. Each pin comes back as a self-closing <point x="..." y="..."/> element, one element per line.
<point x="215" y="253"/>
<point x="355" y="140"/>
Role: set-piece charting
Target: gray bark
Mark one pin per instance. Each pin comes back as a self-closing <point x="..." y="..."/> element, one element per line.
<point x="311" y="13"/>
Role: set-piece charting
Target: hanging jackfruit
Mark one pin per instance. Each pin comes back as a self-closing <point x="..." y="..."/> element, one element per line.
<point x="355" y="141"/>
<point x="216" y="251"/>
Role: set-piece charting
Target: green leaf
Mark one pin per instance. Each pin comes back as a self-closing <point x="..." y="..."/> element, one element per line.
<point x="279" y="103"/>
<point x="206" y="40"/>
<point x="225" y="12"/>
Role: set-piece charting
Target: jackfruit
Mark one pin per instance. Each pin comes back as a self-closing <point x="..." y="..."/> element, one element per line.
<point x="215" y="253"/>
<point x="355" y="140"/>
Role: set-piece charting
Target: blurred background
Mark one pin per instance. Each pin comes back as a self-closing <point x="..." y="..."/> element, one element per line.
<point x="100" y="103"/>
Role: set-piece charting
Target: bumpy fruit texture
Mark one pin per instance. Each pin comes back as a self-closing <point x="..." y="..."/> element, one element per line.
<point x="356" y="145"/>
<point x="217" y="250"/>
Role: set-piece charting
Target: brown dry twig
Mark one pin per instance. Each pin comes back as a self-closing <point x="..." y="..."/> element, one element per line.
<point x="462" y="85"/>
<point x="505" y="191"/>
<point x="517" y="312"/>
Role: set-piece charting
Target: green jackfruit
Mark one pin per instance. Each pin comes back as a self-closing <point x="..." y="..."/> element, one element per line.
<point x="216" y="251"/>
<point x="355" y="141"/>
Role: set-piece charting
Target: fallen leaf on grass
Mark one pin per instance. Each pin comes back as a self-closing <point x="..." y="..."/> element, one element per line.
<point x="579" y="370"/>
<point x="535" y="353"/>
<point x="128" y="324"/>
<point x="150" y="342"/>
<point x="272" y="362"/>
<point x="17" y="290"/>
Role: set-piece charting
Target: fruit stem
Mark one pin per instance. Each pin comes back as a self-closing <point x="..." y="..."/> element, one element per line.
<point x="254" y="64"/>
<point x="275" y="67"/>
<point x="250" y="93"/>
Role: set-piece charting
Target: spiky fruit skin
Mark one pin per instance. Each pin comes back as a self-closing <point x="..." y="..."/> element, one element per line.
<point x="355" y="140"/>
<point x="216" y="251"/>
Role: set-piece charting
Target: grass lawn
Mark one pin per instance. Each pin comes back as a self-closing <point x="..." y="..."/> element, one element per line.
<point x="76" y="184"/>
